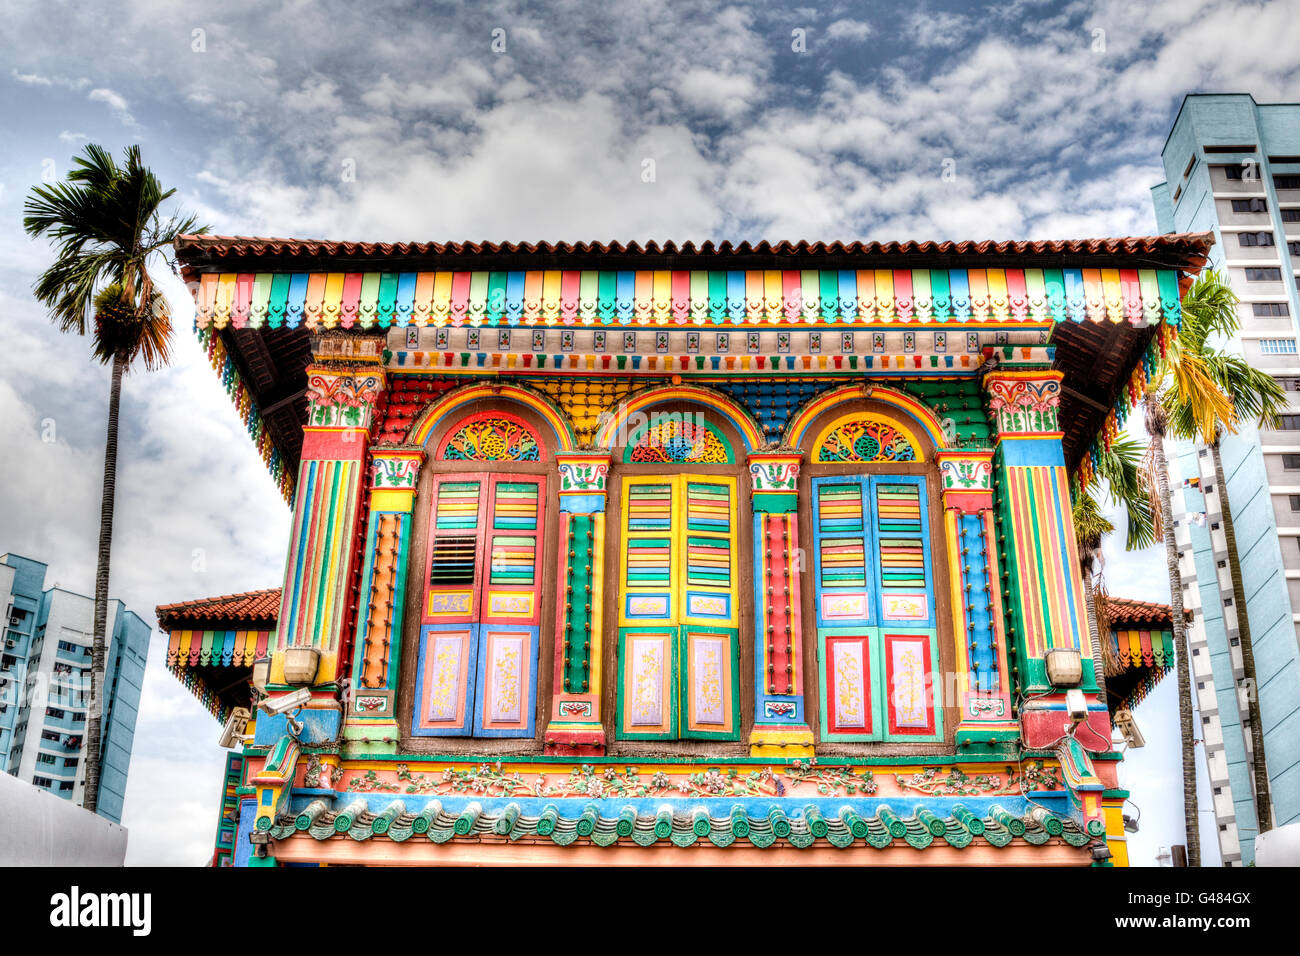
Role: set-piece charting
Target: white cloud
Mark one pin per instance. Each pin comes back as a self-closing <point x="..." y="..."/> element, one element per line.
<point x="854" y="31"/>
<point x="114" y="101"/>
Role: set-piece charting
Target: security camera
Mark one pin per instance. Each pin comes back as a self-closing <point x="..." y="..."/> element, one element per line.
<point x="234" y="729"/>
<point x="1076" y="705"/>
<point x="282" y="705"/>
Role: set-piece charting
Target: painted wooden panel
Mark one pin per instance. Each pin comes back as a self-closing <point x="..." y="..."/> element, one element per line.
<point x="911" y="663"/>
<point x="507" y="682"/>
<point x="443" y="680"/>
<point x="710" y="682"/>
<point x="647" y="691"/>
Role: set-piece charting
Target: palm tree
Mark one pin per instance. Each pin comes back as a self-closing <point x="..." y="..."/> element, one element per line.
<point x="1157" y="424"/>
<point x="1209" y="312"/>
<point x="1120" y="466"/>
<point x="106" y="227"/>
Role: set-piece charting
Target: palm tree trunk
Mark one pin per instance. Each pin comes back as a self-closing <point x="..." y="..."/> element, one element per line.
<point x="1098" y="656"/>
<point x="1191" y="812"/>
<point x="94" y="718"/>
<point x="1259" y="765"/>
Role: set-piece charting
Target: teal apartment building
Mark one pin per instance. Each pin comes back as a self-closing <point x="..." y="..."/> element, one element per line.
<point x="1233" y="166"/>
<point x="44" y="663"/>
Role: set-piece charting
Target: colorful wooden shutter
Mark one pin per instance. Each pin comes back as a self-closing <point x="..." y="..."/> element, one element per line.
<point x="446" y="669"/>
<point x="876" y="636"/>
<point x="844" y="592"/>
<point x="909" y="659"/>
<point x="477" y="669"/>
<point x="679" y="636"/>
<point x="710" y="634"/>
<point x="648" y="561"/>
<point x="511" y="604"/>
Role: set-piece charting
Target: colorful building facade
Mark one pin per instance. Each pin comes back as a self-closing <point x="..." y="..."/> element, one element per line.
<point x="672" y="554"/>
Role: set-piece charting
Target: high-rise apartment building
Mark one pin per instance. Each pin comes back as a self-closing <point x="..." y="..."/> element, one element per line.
<point x="1233" y="166"/>
<point x="44" y="666"/>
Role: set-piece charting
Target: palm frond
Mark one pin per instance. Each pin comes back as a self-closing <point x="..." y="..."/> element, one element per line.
<point x="105" y="225"/>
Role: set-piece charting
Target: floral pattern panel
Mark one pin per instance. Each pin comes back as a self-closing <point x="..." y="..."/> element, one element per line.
<point x="862" y="439"/>
<point x="492" y="436"/>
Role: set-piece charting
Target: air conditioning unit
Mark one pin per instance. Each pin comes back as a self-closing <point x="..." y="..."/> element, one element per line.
<point x="10" y="642"/>
<point x="14" y="620"/>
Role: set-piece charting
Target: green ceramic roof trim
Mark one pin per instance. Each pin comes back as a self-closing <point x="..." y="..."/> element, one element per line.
<point x="628" y="829"/>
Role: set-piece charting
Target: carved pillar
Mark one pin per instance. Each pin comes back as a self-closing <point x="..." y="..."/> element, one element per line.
<point x="371" y="719"/>
<point x="1042" y="585"/>
<point x="979" y="628"/>
<point x="780" y="727"/>
<point x="316" y="604"/>
<point x="576" y="726"/>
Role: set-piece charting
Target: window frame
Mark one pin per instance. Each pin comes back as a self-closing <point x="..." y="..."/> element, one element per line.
<point x="946" y="707"/>
<point x="413" y="625"/>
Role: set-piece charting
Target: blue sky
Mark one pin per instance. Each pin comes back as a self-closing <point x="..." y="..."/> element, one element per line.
<point x="574" y="121"/>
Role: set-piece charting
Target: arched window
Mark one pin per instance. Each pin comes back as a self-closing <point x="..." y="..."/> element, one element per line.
<point x="679" y="511"/>
<point x="483" y="506"/>
<point x="874" y="596"/>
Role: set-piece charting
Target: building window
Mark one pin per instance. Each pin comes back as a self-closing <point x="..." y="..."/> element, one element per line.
<point x="874" y="610"/>
<point x="1289" y="422"/>
<point x="1291" y="462"/>
<point x="1268" y="309"/>
<point x="1293" y="248"/>
<point x="678" y="608"/>
<point x="1286" y="181"/>
<point x="1227" y="602"/>
<point x="1277" y="346"/>
<point x="45" y="758"/>
<point x="42" y="781"/>
<point x="65" y="785"/>
<point x="69" y="761"/>
<point x="1247" y="171"/>
<point x="1291" y="215"/>
<point x="476" y="672"/>
<point x="1214" y="526"/>
<point x="1255" y="238"/>
<point x="1249" y="205"/>
<point x="1263" y="275"/>
<point x="54" y="713"/>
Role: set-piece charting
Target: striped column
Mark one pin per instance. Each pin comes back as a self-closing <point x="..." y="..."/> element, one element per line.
<point x="576" y="724"/>
<point x="979" y="627"/>
<point x="329" y="501"/>
<point x="371" y="720"/>
<point x="780" y="725"/>
<point x="1042" y="586"/>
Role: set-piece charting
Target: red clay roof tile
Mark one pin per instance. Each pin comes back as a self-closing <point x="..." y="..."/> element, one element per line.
<point x="251" y="607"/>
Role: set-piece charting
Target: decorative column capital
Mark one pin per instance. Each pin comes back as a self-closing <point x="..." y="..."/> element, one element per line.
<point x="341" y="404"/>
<point x="774" y="477"/>
<point x="582" y="481"/>
<point x="966" y="476"/>
<point x="1024" y="403"/>
<point x="394" y="476"/>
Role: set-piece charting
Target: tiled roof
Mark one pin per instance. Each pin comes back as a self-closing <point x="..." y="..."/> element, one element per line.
<point x="610" y="824"/>
<point x="251" y="607"/>
<point x="1130" y="611"/>
<point x="1192" y="246"/>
